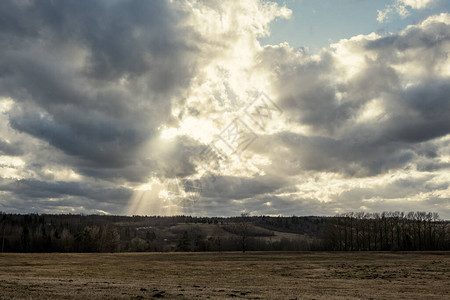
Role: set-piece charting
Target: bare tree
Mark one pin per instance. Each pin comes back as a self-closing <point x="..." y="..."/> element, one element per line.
<point x="242" y="229"/>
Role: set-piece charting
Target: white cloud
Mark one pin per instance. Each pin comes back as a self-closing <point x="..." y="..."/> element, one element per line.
<point x="400" y="8"/>
<point x="417" y="4"/>
<point x="397" y="8"/>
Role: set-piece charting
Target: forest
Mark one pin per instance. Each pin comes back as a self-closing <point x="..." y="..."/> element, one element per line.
<point x="352" y="231"/>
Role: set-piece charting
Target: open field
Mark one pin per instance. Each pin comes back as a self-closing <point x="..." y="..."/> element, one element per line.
<point x="256" y="275"/>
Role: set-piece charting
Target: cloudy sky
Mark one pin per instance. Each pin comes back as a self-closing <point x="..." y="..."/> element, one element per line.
<point x="222" y="107"/>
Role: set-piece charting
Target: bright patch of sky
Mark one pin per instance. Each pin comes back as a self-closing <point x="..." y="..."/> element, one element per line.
<point x="316" y="24"/>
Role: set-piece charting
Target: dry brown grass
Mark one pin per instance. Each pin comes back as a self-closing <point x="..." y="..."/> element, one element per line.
<point x="306" y="275"/>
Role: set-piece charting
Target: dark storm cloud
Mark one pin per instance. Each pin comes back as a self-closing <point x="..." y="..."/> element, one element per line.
<point x="238" y="188"/>
<point x="94" y="79"/>
<point x="423" y="113"/>
<point x="293" y="154"/>
<point x="430" y="38"/>
<point x="100" y="141"/>
<point x="92" y="82"/>
<point x="10" y="148"/>
<point x="400" y="188"/>
<point x="124" y="37"/>
<point x="308" y="92"/>
<point x="58" y="189"/>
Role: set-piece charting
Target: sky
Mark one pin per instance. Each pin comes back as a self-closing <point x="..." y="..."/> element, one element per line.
<point x="218" y="108"/>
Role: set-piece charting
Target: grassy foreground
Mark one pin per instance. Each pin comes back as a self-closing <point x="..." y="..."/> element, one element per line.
<point x="257" y="275"/>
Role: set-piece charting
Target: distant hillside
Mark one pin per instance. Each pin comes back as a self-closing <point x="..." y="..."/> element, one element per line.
<point x="99" y="233"/>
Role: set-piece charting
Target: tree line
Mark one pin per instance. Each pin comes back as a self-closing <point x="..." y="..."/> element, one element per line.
<point x="388" y="231"/>
<point x="353" y="231"/>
